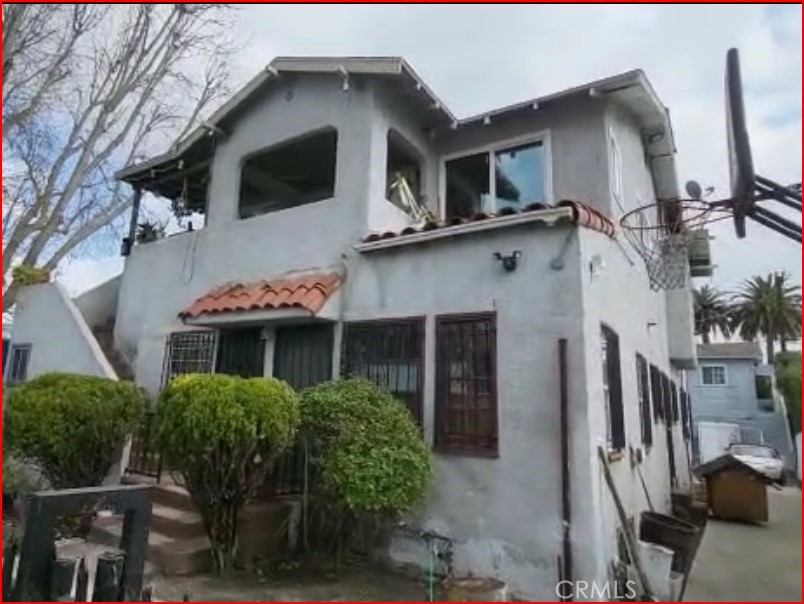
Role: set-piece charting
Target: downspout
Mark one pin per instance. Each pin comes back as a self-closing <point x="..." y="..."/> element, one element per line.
<point x="128" y="242"/>
<point x="566" y="492"/>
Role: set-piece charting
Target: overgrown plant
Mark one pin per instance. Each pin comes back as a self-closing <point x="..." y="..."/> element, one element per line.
<point x="219" y="433"/>
<point x="72" y="427"/>
<point x="25" y="274"/>
<point x="368" y="465"/>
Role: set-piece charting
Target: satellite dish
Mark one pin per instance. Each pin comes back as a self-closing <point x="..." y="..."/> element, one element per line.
<point x="694" y="189"/>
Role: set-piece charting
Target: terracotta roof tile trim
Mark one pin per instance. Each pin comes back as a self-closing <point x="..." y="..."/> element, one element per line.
<point x="582" y="215"/>
<point x="307" y="292"/>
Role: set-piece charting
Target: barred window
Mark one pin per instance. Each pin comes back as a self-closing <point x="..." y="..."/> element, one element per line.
<point x="612" y="388"/>
<point x="390" y="354"/>
<point x="657" y="393"/>
<point x="189" y="352"/>
<point x="466" y="384"/>
<point x="18" y="366"/>
<point x="685" y="414"/>
<point x="674" y="400"/>
<point x="643" y="390"/>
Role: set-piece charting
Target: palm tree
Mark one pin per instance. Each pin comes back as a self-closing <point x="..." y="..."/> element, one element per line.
<point x="712" y="312"/>
<point x="769" y="307"/>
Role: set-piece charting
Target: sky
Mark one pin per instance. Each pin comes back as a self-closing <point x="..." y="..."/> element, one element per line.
<point x="479" y="57"/>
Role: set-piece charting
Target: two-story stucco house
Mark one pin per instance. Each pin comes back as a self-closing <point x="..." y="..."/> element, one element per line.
<point x="472" y="266"/>
<point x="732" y="386"/>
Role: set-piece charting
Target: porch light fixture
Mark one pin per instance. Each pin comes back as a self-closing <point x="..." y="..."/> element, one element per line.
<point x="509" y="262"/>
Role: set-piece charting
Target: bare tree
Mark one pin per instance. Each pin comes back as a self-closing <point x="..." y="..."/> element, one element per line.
<point x="88" y="89"/>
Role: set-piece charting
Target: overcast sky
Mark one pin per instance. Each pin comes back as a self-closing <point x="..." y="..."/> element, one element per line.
<point x="481" y="57"/>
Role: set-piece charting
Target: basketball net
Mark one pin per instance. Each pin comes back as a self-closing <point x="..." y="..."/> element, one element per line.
<point x="662" y="234"/>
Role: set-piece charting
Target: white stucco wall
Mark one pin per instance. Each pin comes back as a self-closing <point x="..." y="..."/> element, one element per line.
<point x="46" y="318"/>
<point x="98" y="305"/>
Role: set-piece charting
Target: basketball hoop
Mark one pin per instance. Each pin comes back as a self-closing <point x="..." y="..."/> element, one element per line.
<point x="663" y="232"/>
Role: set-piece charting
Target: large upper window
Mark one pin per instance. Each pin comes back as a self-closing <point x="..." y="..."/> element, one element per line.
<point x="403" y="174"/>
<point x="466" y="389"/>
<point x="292" y="174"/>
<point x="497" y="178"/>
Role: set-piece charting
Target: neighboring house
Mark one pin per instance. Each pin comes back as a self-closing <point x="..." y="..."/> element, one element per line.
<point x="733" y="386"/>
<point x="314" y="263"/>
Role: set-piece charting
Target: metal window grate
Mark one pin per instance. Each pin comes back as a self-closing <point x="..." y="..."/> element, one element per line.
<point x="614" y="390"/>
<point x="190" y="352"/>
<point x="657" y="392"/>
<point x="685" y="414"/>
<point x="643" y="389"/>
<point x="390" y="354"/>
<point x="674" y="400"/>
<point x="20" y="357"/>
<point x="466" y="384"/>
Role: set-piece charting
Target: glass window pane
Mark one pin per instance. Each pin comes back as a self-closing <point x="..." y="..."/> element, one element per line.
<point x="468" y="185"/>
<point x="519" y="176"/>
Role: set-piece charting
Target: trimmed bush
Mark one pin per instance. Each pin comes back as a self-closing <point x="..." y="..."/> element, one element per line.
<point x="72" y="427"/>
<point x="220" y="434"/>
<point x="369" y="461"/>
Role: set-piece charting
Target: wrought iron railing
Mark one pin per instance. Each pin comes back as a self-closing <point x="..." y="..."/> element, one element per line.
<point x="144" y="458"/>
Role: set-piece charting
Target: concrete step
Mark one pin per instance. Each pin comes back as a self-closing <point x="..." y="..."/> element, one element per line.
<point x="166" y="555"/>
<point x="172" y="496"/>
<point x="176" y="523"/>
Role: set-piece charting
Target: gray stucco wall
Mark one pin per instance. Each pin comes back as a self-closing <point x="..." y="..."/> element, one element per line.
<point x="47" y="319"/>
<point x="505" y="512"/>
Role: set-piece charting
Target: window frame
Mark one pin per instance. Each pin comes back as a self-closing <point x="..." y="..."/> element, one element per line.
<point x="657" y="393"/>
<point x="396" y="137"/>
<point x="419" y="322"/>
<point x="715" y="366"/>
<point x="616" y="169"/>
<point x="644" y="394"/>
<point x="543" y="136"/>
<point x="440" y="405"/>
<point x="616" y="437"/>
<point x="12" y="350"/>
<point x="303" y="136"/>
<point x="214" y="338"/>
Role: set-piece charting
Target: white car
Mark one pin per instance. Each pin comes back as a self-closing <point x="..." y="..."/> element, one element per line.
<point x="762" y="458"/>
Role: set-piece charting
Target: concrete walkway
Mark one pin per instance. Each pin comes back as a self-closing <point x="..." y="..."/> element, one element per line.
<point x="754" y="563"/>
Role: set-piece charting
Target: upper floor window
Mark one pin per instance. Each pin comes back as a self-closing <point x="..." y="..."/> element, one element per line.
<point x="289" y="175"/>
<point x="616" y="167"/>
<point x="496" y="178"/>
<point x="403" y="174"/>
<point x="713" y="375"/>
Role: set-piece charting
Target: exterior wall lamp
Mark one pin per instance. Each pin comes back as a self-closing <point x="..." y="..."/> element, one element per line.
<point x="509" y="262"/>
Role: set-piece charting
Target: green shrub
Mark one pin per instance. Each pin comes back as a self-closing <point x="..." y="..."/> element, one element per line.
<point x="25" y="274"/>
<point x="220" y="433"/>
<point x="369" y="461"/>
<point x="73" y="427"/>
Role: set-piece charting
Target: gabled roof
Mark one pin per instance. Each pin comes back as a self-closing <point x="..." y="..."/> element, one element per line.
<point x="631" y="89"/>
<point x="730" y="350"/>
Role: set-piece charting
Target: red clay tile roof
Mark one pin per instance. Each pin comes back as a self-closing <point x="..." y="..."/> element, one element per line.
<point x="308" y="291"/>
<point x="582" y="215"/>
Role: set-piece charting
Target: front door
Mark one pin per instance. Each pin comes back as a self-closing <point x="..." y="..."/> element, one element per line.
<point x="303" y="354"/>
<point x="241" y="352"/>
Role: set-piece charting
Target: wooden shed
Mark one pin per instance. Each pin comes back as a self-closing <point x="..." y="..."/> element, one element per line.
<point x="735" y="491"/>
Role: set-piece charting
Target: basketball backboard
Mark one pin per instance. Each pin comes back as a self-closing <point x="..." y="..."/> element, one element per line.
<point x="741" y="164"/>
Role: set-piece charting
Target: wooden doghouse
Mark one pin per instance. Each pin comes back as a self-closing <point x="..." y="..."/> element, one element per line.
<point x="735" y="491"/>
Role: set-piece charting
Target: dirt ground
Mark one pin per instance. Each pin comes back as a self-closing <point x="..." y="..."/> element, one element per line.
<point x="362" y="582"/>
<point x="752" y="562"/>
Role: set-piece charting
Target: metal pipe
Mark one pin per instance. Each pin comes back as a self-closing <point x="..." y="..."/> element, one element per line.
<point x="132" y="225"/>
<point x="781" y="225"/>
<point x="566" y="492"/>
